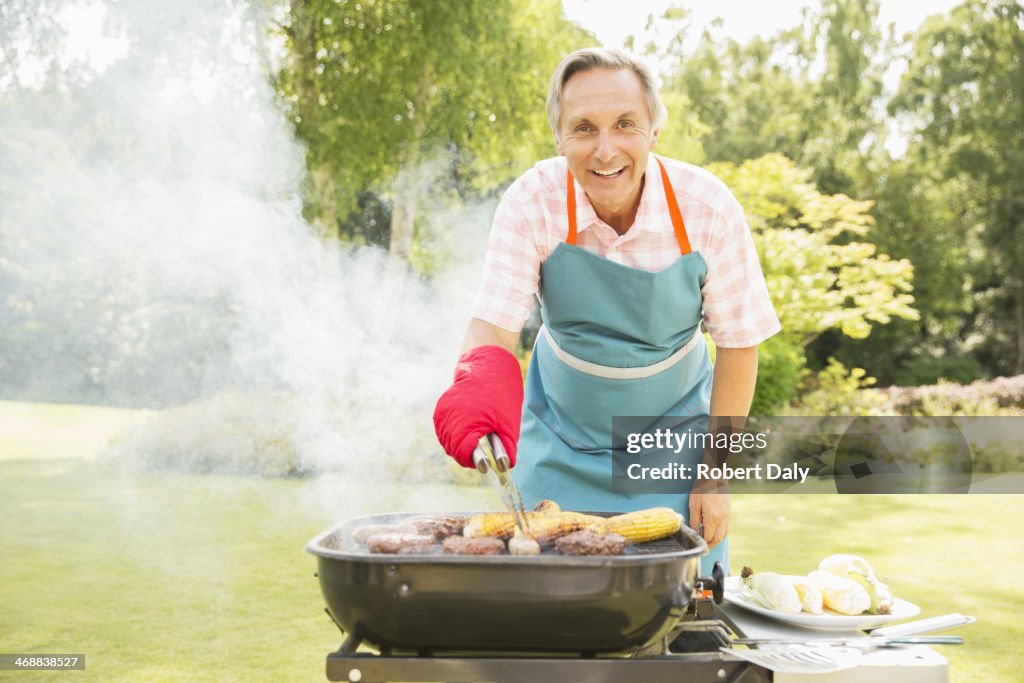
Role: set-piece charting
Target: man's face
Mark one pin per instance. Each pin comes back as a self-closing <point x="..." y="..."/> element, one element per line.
<point x="606" y="135"/>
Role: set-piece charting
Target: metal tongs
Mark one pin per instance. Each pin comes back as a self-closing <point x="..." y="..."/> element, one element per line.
<point x="494" y="464"/>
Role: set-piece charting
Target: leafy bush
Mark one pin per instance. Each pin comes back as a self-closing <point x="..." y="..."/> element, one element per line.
<point x="780" y="363"/>
<point x="1001" y="396"/>
<point x="837" y="390"/>
<point x="951" y="368"/>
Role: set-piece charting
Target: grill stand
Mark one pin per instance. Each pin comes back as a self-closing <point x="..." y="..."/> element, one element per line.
<point x="654" y="664"/>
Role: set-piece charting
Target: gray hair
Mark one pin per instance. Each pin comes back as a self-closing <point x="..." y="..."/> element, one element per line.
<point x="603" y="58"/>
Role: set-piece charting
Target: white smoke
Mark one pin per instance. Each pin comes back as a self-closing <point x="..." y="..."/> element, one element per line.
<point x="153" y="254"/>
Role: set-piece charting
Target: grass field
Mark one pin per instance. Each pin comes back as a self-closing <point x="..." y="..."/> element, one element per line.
<point x="159" y="576"/>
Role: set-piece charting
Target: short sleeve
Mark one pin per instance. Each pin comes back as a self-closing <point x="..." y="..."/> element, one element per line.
<point x="512" y="268"/>
<point x="738" y="312"/>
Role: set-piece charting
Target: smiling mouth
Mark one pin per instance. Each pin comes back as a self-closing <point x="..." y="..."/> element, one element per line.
<point x="611" y="173"/>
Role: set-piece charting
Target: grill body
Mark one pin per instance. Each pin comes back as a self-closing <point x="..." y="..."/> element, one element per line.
<point x="546" y="603"/>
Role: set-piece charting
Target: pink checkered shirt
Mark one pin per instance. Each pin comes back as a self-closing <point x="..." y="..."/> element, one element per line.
<point x="532" y="220"/>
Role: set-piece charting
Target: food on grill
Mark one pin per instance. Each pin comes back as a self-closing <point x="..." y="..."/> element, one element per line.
<point x="547" y="506"/>
<point x="523" y="545"/>
<point x="460" y="545"/>
<point x="810" y="595"/>
<point x="546" y="529"/>
<point x="391" y="543"/>
<point x="771" y="590"/>
<point x="503" y="525"/>
<point x="840" y="594"/>
<point x="591" y="543"/>
<point x="364" y="532"/>
<point x="642" y="526"/>
<point x="496" y="524"/>
<point x="857" y="569"/>
<point x="440" y="526"/>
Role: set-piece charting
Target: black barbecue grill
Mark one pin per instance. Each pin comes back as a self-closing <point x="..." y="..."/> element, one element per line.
<point x="436" y="617"/>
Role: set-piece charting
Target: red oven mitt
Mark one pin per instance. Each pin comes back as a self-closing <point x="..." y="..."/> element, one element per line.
<point x="486" y="396"/>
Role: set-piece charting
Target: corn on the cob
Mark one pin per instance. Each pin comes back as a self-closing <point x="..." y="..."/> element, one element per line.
<point x="496" y="524"/>
<point x="809" y="593"/>
<point x="503" y="525"/>
<point x="545" y="529"/>
<point x="588" y="520"/>
<point x="858" y="569"/>
<point x="840" y="594"/>
<point x="771" y="590"/>
<point x="643" y="525"/>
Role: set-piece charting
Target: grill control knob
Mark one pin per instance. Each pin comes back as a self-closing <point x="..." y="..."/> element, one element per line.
<point x="355" y="675"/>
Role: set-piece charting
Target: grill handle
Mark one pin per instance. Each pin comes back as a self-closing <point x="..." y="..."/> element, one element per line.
<point x="714" y="583"/>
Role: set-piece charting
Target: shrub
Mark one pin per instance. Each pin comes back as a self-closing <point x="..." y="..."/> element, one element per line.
<point x="837" y="390"/>
<point x="1001" y="396"/>
<point x="780" y="363"/>
<point x="927" y="370"/>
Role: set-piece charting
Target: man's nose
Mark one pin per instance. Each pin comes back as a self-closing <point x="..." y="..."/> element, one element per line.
<point x="605" y="146"/>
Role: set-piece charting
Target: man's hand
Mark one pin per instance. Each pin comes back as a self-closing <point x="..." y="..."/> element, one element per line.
<point x="486" y="396"/>
<point x="713" y="511"/>
<point x="732" y="389"/>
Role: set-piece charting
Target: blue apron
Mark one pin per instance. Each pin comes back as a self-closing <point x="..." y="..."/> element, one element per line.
<point x="615" y="341"/>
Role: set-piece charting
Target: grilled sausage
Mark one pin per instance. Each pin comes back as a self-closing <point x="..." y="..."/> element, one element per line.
<point x="523" y="545"/>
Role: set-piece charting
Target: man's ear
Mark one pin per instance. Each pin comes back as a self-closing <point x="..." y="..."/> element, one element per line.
<point x="654" y="138"/>
<point x="558" y="147"/>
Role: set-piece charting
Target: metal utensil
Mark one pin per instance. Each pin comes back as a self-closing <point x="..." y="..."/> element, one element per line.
<point x="788" y="655"/>
<point x="799" y="658"/>
<point x="917" y="626"/>
<point x="496" y="466"/>
<point x="860" y="641"/>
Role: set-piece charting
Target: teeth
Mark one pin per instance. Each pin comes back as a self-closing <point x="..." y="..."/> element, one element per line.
<point x="608" y="173"/>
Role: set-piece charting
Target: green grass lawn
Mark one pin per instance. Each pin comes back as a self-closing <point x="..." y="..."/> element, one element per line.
<point x="159" y="576"/>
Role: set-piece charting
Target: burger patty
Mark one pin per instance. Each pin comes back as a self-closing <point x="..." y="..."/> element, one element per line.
<point x="590" y="543"/>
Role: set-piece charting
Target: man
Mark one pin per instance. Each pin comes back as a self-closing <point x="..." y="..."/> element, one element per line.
<point x="629" y="254"/>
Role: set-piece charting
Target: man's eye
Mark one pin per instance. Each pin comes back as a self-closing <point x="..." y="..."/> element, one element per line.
<point x="626" y="124"/>
<point x="582" y="129"/>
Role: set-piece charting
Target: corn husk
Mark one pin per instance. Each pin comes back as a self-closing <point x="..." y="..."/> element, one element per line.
<point x="858" y="569"/>
<point x="840" y="594"/>
<point x="811" y="599"/>
<point x="771" y="591"/>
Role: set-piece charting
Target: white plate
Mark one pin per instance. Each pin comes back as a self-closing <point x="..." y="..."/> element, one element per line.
<point x="829" y="621"/>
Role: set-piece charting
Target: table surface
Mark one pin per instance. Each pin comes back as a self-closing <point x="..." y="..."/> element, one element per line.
<point x="911" y="664"/>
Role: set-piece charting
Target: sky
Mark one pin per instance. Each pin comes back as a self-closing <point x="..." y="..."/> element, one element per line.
<point x="605" y="18"/>
<point x="743" y="19"/>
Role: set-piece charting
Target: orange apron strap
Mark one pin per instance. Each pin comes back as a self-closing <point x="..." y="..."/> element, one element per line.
<point x="571" y="205"/>
<point x="673" y="211"/>
<point x="670" y="198"/>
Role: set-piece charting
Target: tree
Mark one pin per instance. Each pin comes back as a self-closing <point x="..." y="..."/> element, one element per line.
<point x="962" y="92"/>
<point x="811" y="93"/>
<point x="378" y="88"/>
<point x="819" y="276"/>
